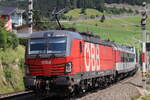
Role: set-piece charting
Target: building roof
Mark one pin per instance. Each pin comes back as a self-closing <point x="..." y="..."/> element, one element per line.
<point x="7" y="11"/>
<point x="10" y="10"/>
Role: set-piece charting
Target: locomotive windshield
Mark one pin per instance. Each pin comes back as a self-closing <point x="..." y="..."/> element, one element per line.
<point x="48" y="46"/>
<point x="37" y="46"/>
<point x="56" y="45"/>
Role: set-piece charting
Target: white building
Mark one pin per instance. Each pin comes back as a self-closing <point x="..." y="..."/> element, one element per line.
<point x="17" y="17"/>
<point x="15" y="14"/>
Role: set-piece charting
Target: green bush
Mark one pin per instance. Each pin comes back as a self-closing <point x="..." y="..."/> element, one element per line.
<point x="3" y="38"/>
<point x="102" y="19"/>
<point x="12" y="41"/>
<point x="21" y="64"/>
<point x="70" y="18"/>
<point x="8" y="73"/>
<point x="130" y="11"/>
<point x="64" y="17"/>
<point x="23" y="41"/>
<point x="114" y="10"/>
<point x="92" y="16"/>
<point x="1" y="24"/>
<point x="7" y="39"/>
<point x="83" y="11"/>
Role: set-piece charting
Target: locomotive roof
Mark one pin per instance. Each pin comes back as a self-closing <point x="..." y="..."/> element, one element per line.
<point x="83" y="36"/>
<point x="41" y="34"/>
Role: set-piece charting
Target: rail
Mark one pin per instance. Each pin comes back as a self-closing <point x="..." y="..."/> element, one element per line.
<point x="14" y="94"/>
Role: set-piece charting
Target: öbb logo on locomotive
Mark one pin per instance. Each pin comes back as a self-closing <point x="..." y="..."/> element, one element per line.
<point x="91" y="56"/>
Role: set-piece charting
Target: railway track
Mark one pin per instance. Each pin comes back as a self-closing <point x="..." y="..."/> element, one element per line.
<point x="20" y="95"/>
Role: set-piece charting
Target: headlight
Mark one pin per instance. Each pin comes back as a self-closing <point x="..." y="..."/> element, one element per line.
<point x="68" y="68"/>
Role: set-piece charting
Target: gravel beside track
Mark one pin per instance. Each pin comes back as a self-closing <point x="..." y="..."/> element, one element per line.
<point x="123" y="90"/>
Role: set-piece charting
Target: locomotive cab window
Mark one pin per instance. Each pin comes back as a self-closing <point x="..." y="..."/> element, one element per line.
<point x="37" y="46"/>
<point x="57" y="45"/>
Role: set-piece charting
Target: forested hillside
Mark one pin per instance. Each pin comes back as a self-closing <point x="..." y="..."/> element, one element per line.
<point x="73" y="3"/>
<point x="132" y="2"/>
<point x="46" y="6"/>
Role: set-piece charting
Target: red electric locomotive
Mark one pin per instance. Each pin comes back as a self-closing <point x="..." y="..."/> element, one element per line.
<point x="59" y="60"/>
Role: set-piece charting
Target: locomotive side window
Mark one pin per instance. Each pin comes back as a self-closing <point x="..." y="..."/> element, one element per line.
<point x="37" y="46"/>
<point x="57" y="45"/>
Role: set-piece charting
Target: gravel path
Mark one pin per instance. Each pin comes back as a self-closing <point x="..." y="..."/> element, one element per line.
<point x="123" y="90"/>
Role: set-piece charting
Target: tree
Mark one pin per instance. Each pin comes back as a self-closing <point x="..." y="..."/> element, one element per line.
<point x="83" y="11"/>
<point x="43" y="23"/>
<point x="102" y="18"/>
<point x="1" y="24"/>
<point x="12" y="41"/>
<point x="7" y="39"/>
<point x="3" y="39"/>
<point x="99" y="4"/>
<point x="3" y="36"/>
